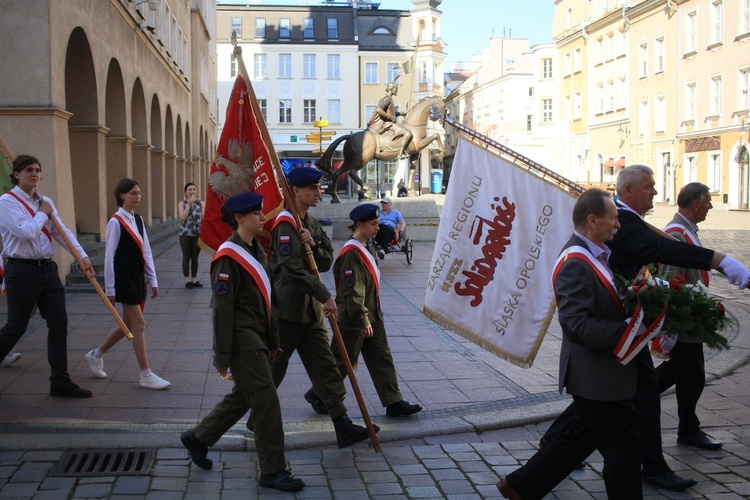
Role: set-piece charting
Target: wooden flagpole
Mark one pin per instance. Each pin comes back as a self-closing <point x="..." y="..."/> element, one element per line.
<point x="79" y="260"/>
<point x="312" y="266"/>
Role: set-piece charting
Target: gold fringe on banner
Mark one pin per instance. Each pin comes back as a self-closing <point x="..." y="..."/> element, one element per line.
<point x="485" y="344"/>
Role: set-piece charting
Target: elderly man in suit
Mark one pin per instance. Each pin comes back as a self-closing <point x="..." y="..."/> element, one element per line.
<point x="593" y="323"/>
<point x="685" y="369"/>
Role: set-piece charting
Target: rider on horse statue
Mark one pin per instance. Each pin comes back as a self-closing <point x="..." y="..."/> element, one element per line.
<point x="385" y="121"/>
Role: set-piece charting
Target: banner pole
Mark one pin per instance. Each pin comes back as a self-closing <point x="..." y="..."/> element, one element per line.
<point x="575" y="188"/>
<point x="79" y="261"/>
<point x="310" y="260"/>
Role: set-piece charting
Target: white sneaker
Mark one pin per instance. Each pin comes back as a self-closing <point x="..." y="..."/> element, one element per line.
<point x="96" y="365"/>
<point x="10" y="358"/>
<point x="153" y="381"/>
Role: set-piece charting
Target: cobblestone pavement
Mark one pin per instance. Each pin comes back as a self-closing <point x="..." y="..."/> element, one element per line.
<point x="482" y="418"/>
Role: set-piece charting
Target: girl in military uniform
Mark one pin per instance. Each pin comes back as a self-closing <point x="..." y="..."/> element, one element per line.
<point x="360" y="317"/>
<point x="244" y="341"/>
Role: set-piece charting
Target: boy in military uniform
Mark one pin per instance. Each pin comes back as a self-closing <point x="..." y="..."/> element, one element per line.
<point x="303" y="300"/>
<point x="360" y="317"/>
<point x="244" y="340"/>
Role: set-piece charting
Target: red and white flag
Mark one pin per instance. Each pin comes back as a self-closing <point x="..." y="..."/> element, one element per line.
<point x="243" y="163"/>
<point x="500" y="233"/>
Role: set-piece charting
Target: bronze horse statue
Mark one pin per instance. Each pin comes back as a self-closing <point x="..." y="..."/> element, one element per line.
<point x="361" y="147"/>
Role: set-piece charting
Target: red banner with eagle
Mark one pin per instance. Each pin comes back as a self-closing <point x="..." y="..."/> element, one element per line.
<point x="243" y="163"/>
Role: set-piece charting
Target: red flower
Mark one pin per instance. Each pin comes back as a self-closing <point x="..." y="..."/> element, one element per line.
<point x="675" y="285"/>
<point x="721" y="308"/>
<point x="680" y="279"/>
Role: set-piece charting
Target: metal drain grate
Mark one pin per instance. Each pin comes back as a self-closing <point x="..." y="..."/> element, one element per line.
<point x="105" y="463"/>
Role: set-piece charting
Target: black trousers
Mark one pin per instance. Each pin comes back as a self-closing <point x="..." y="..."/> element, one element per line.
<point x="686" y="371"/>
<point x="190" y="253"/>
<point x="30" y="284"/>
<point x="610" y="427"/>
<point x="384" y="236"/>
<point x="647" y="405"/>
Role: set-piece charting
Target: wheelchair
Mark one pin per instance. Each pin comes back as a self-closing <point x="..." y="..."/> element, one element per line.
<point x="398" y="245"/>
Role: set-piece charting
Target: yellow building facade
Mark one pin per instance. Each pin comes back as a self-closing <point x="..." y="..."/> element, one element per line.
<point x="666" y="83"/>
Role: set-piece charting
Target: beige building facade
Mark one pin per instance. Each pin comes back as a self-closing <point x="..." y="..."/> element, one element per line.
<point x="103" y="90"/>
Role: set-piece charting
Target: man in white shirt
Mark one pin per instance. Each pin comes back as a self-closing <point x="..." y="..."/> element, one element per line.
<point x="30" y="273"/>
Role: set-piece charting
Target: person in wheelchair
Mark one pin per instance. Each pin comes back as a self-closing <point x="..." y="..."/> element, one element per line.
<point x="392" y="224"/>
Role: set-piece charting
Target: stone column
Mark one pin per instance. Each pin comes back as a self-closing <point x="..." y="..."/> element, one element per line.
<point x="88" y="152"/>
<point x="181" y="178"/>
<point x="142" y="174"/>
<point x="119" y="166"/>
<point x="156" y="192"/>
<point x="170" y="186"/>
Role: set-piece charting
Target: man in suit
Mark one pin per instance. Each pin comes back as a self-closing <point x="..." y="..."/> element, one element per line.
<point x="685" y="368"/>
<point x="593" y="323"/>
<point x="634" y="246"/>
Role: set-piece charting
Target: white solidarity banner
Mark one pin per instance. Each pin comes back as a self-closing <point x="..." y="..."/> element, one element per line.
<point x="500" y="233"/>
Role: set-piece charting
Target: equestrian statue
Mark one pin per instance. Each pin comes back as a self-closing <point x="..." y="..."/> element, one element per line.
<point x="383" y="139"/>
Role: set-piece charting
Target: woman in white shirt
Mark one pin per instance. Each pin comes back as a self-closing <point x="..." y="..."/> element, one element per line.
<point x="128" y="262"/>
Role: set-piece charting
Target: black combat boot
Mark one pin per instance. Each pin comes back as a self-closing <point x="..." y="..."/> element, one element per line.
<point x="317" y="404"/>
<point x="348" y="433"/>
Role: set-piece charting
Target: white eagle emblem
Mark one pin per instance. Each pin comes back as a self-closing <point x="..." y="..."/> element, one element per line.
<point x="238" y="177"/>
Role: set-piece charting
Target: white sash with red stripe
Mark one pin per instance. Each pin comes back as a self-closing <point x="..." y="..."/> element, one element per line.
<point x="32" y="212"/>
<point x="367" y="258"/>
<point x="251" y="265"/>
<point x="133" y="234"/>
<point x="284" y="216"/>
<point x="691" y="238"/>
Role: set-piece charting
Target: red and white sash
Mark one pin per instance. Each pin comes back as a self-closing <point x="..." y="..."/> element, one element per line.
<point x="691" y="238"/>
<point x="604" y="274"/>
<point x="367" y="258"/>
<point x="133" y="234"/>
<point x="251" y="265"/>
<point x="31" y="211"/>
<point x="630" y="342"/>
<point x="284" y="216"/>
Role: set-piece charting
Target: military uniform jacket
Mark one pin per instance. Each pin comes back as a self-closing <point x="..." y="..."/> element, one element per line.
<point x="239" y="312"/>
<point x="356" y="291"/>
<point x="298" y="294"/>
<point x="690" y="275"/>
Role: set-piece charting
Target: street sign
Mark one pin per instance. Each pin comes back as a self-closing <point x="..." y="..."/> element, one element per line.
<point x="318" y="138"/>
<point x="320" y="123"/>
<point x="318" y="151"/>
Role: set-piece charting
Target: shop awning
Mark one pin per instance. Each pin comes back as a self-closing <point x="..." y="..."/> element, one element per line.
<point x="609" y="163"/>
<point x="621" y="162"/>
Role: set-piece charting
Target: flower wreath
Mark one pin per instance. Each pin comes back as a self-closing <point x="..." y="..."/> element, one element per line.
<point x="689" y="308"/>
